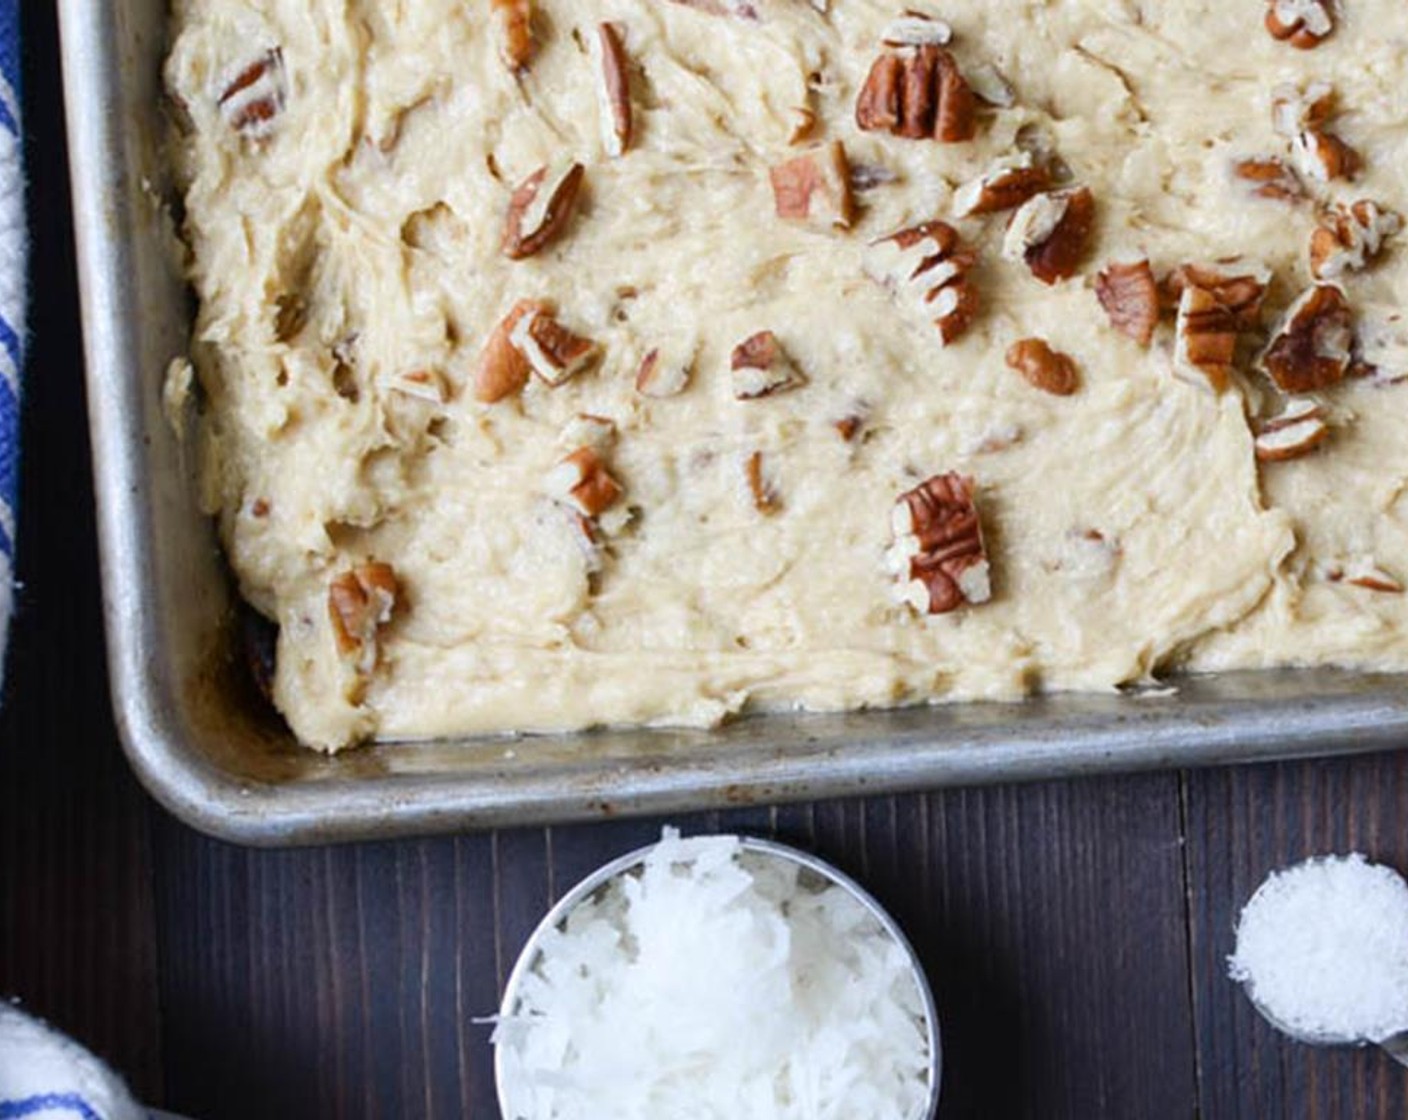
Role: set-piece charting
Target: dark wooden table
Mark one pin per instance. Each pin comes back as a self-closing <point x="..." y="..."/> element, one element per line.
<point x="1075" y="932"/>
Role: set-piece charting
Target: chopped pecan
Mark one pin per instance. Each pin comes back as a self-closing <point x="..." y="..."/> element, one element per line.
<point x="540" y="209"/>
<point x="614" y="91"/>
<point x="938" y="550"/>
<point x="1302" y="116"/>
<point x="361" y="602"/>
<point x="804" y="126"/>
<point x="514" y="20"/>
<point x="1297" y="431"/>
<point x="760" y="487"/>
<point x="917" y="93"/>
<point x="1044" y="368"/>
<point x="503" y="370"/>
<point x="1324" y="156"/>
<point x="1313" y="346"/>
<point x="1238" y="286"/>
<point x="1350" y="238"/>
<point x="1216" y="304"/>
<point x="1206" y="337"/>
<point x="850" y="426"/>
<point x="1130" y="296"/>
<point x="955" y="108"/>
<point x="878" y="106"/>
<point x="660" y="375"/>
<point x="1303" y="23"/>
<point x="761" y="368"/>
<point x="552" y="351"/>
<point x="1367" y="574"/>
<point x="927" y="266"/>
<point x="1270" y="178"/>
<point x="1294" y="109"/>
<point x="1051" y="232"/>
<point x="582" y="482"/>
<point x="815" y="188"/>
<point x="1004" y="187"/>
<point x="252" y="100"/>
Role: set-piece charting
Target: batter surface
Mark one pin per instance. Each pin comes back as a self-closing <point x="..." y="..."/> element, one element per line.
<point x="393" y="467"/>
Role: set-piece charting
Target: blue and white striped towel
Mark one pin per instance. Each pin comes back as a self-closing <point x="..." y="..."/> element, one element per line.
<point x="44" y="1076"/>
<point x="13" y="279"/>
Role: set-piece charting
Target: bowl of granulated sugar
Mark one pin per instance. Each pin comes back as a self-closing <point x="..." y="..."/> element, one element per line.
<point x="1322" y="951"/>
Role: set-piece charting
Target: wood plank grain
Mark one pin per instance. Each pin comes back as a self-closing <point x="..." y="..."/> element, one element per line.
<point x="77" y="941"/>
<point x="1243" y="824"/>
<point x="1048" y="921"/>
<point x="332" y="982"/>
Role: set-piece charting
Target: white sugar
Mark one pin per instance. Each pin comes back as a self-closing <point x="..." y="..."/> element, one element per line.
<point x="715" y="984"/>
<point x="1323" y="948"/>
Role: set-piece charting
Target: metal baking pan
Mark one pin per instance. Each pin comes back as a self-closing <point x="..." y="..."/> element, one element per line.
<point x="215" y="757"/>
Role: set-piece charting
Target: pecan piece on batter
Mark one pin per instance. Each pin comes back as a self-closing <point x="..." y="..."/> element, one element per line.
<point x="1350" y="238"/>
<point x="938" y="551"/>
<point x="918" y="93"/>
<point x="1304" y="24"/>
<point x="1269" y="177"/>
<point x="529" y="340"/>
<point x="552" y="351"/>
<point x="815" y="188"/>
<point x="1051" y="233"/>
<point x="1303" y="116"/>
<point x="761" y="368"/>
<point x="582" y="480"/>
<point x="928" y="266"/>
<point x="1313" y="346"/>
<point x="540" y="209"/>
<point x="1044" y="368"/>
<point x="253" y="99"/>
<point x="503" y="370"/>
<point x="1130" y="296"/>
<point x="1004" y="187"/>
<point x="1298" y="430"/>
<point x="1215" y="306"/>
<point x="761" y="487"/>
<point x="614" y="90"/>
<point x="361" y="602"/>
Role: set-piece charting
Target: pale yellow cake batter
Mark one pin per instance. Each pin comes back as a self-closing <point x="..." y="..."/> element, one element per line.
<point x="346" y="207"/>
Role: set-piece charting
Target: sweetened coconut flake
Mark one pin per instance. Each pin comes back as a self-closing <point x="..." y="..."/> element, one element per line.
<point x="1323" y="948"/>
<point x="715" y="984"/>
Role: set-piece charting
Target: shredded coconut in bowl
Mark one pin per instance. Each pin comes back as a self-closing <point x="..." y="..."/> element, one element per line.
<point x="1323" y="949"/>
<point x="717" y="982"/>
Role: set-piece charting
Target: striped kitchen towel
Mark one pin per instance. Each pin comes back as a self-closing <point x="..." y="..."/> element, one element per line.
<point x="45" y="1076"/>
<point x="12" y="298"/>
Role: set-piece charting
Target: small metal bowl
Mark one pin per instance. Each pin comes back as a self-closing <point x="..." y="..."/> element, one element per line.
<point x="822" y="872"/>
